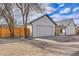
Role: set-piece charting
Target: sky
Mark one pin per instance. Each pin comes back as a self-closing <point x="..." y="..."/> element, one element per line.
<point x="61" y="11"/>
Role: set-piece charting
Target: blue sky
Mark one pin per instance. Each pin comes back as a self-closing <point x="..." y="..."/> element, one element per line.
<point x="60" y="11"/>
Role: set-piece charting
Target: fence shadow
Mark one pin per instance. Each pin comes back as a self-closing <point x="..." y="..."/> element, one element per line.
<point x="10" y="40"/>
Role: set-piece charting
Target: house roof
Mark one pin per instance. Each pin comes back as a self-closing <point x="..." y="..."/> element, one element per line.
<point x="64" y="23"/>
<point x="41" y="17"/>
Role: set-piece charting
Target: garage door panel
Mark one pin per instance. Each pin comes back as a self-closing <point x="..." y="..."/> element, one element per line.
<point x="44" y="31"/>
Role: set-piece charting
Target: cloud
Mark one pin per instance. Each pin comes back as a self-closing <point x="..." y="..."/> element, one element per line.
<point x="61" y="5"/>
<point x="59" y="16"/>
<point x="65" y="11"/>
<point x="76" y="9"/>
<point x="76" y="15"/>
<point x="49" y="9"/>
<point x="77" y="21"/>
<point x="56" y="17"/>
<point x="33" y="15"/>
<point x="76" y="18"/>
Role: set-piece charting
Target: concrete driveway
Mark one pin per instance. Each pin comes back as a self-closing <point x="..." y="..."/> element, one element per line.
<point x="73" y="38"/>
<point x="16" y="47"/>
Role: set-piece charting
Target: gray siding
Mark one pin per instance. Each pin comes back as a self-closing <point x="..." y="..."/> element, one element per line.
<point x="70" y="29"/>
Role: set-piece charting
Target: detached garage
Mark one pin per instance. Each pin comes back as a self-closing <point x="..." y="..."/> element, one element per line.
<point x="43" y="26"/>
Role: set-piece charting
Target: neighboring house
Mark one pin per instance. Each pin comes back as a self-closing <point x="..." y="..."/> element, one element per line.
<point x="42" y="26"/>
<point x="65" y="27"/>
<point x="77" y="30"/>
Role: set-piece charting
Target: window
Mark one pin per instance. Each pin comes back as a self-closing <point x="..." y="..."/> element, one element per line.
<point x="57" y="30"/>
<point x="61" y="31"/>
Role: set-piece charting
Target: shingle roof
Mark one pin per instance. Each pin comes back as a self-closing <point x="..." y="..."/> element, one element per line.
<point x="64" y="23"/>
<point x="41" y="17"/>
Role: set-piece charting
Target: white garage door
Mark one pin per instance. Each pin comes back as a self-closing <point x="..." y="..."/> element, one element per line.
<point x="44" y="30"/>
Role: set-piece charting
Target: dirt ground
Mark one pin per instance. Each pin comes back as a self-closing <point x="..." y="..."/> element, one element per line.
<point x="20" y="47"/>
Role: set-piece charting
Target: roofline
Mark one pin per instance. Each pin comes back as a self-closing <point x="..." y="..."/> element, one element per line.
<point x="69" y="23"/>
<point x="51" y="19"/>
<point x="41" y="17"/>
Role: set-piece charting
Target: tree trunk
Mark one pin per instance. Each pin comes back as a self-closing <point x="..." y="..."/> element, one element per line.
<point x="11" y="28"/>
<point x="11" y="32"/>
<point x="25" y="25"/>
<point x="25" y="31"/>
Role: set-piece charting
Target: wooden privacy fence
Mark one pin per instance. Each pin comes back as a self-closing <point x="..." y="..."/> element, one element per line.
<point x="77" y="30"/>
<point x="18" y="32"/>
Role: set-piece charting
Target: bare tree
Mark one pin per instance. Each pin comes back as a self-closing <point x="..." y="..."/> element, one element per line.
<point x="6" y="12"/>
<point x="25" y="9"/>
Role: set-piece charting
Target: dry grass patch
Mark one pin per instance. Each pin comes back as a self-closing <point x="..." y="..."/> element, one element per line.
<point x="20" y="48"/>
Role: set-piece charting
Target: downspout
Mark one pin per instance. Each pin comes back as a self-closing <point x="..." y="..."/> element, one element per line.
<point x="55" y="30"/>
<point x="65" y="31"/>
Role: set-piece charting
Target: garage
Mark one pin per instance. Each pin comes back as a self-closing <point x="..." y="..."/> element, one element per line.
<point x="43" y="26"/>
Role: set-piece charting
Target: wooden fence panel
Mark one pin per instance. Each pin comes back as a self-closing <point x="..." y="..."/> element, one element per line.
<point x="22" y="32"/>
<point x="0" y="32"/>
<point x="18" y="32"/>
<point x="3" y="32"/>
<point x="7" y="32"/>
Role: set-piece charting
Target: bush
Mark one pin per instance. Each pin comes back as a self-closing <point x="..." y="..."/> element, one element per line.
<point x="78" y="32"/>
